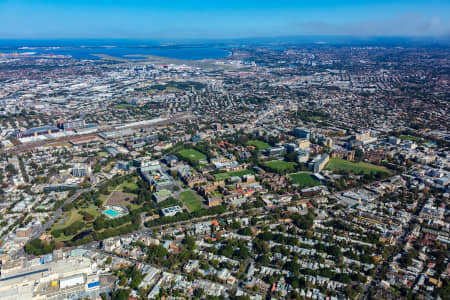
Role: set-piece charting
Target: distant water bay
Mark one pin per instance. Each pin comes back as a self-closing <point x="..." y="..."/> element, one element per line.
<point x="122" y="51"/>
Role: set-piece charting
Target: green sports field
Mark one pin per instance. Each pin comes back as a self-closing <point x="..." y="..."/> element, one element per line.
<point x="336" y="164"/>
<point x="411" y="138"/>
<point x="303" y="180"/>
<point x="280" y="166"/>
<point x="190" y="200"/>
<point x="260" y="145"/>
<point x="123" y="105"/>
<point x="191" y="154"/>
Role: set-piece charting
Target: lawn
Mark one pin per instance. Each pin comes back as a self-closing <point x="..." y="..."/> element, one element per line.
<point x="303" y="179"/>
<point x="260" y="145"/>
<point x="280" y="166"/>
<point x="130" y="185"/>
<point x="224" y="176"/>
<point x="70" y="218"/>
<point x="190" y="200"/>
<point x="171" y="89"/>
<point x="336" y="164"/>
<point x="191" y="154"/>
<point x="215" y="194"/>
<point x="91" y="210"/>
<point x="123" y="105"/>
<point x="63" y="238"/>
<point x="411" y="138"/>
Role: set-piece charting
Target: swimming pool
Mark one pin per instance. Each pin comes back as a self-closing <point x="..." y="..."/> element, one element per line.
<point x="111" y="213"/>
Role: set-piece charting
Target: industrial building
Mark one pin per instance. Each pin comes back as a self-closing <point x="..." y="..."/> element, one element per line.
<point x="37" y="131"/>
<point x="45" y="278"/>
<point x="72" y="124"/>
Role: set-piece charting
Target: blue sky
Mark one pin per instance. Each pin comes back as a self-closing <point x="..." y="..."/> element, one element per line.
<point x="220" y="19"/>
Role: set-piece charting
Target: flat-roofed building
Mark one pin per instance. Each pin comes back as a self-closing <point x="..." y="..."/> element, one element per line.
<point x="171" y="211"/>
<point x="23" y="280"/>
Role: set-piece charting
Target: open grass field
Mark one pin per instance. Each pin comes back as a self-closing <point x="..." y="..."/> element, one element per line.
<point x="69" y="218"/>
<point x="260" y="145"/>
<point x="303" y="179"/>
<point x="124" y="105"/>
<point x="191" y="154"/>
<point x="411" y="138"/>
<point x="190" y="200"/>
<point x="130" y="185"/>
<point x="92" y="211"/>
<point x="171" y="89"/>
<point x="125" y="186"/>
<point x="279" y="166"/>
<point x="224" y="176"/>
<point x="336" y="164"/>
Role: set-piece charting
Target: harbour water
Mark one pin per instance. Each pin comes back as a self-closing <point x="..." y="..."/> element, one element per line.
<point x="86" y="49"/>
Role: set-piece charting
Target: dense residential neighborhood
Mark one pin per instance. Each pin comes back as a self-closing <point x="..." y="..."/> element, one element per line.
<point x="291" y="172"/>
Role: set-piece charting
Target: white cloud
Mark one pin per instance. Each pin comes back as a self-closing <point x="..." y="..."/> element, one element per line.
<point x="406" y="25"/>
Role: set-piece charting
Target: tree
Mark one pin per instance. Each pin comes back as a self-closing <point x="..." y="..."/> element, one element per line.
<point x="38" y="247"/>
<point x="263" y="260"/>
<point x="245" y="231"/>
<point x="189" y="243"/>
<point x="291" y="156"/>
<point x="292" y="266"/>
<point x="243" y="253"/>
<point x="304" y="222"/>
<point x="297" y="282"/>
<point x="266" y="236"/>
<point x="359" y="155"/>
<point x="199" y="292"/>
<point x="351" y="293"/>
<point x="88" y="217"/>
<point x="120" y="294"/>
<point x="235" y="225"/>
<point x="99" y="223"/>
<point x="226" y="250"/>
<point x="157" y="251"/>
<point x="11" y="169"/>
<point x="334" y="250"/>
<point x="68" y="206"/>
